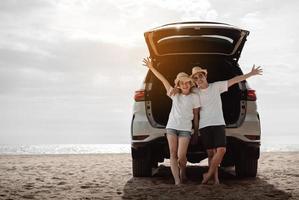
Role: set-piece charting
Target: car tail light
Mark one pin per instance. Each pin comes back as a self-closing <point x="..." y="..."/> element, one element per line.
<point x="139" y="95"/>
<point x="253" y="137"/>
<point x="251" y="96"/>
<point x="140" y="137"/>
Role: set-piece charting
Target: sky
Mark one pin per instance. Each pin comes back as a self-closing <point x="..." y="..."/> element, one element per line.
<point x="69" y="68"/>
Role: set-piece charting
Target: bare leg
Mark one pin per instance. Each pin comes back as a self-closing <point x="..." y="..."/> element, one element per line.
<point x="216" y="160"/>
<point x="211" y="153"/>
<point x="182" y="159"/>
<point x="173" y="146"/>
<point x="216" y="179"/>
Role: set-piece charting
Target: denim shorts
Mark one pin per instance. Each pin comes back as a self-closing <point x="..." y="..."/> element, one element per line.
<point x="178" y="133"/>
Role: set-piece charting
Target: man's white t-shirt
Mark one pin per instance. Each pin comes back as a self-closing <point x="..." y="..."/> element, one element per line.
<point x="181" y="114"/>
<point x="211" y="106"/>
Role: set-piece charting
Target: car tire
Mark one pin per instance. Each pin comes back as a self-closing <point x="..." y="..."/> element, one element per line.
<point x="246" y="167"/>
<point x="142" y="165"/>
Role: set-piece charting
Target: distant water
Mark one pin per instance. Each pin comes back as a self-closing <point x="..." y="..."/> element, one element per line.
<point x="65" y="149"/>
<point x="101" y="148"/>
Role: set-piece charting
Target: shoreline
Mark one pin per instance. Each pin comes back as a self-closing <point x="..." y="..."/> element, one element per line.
<point x="48" y="149"/>
<point x="113" y="153"/>
<point x="109" y="176"/>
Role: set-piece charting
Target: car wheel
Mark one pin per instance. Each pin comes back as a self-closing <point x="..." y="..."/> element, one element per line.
<point x="142" y="165"/>
<point x="246" y="167"/>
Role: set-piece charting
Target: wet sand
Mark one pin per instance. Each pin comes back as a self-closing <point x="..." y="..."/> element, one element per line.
<point x="109" y="176"/>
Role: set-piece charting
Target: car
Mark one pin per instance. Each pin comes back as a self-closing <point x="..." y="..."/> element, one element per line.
<point x="178" y="47"/>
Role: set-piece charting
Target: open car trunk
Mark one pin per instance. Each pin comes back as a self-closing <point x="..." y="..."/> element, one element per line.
<point x="219" y="68"/>
<point x="201" y="38"/>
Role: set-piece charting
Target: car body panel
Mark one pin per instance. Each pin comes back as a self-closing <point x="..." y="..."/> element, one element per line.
<point x="204" y="32"/>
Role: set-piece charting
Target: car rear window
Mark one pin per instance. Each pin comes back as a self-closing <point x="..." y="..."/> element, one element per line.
<point x="196" y="40"/>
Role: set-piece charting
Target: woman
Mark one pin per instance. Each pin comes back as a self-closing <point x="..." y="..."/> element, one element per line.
<point x="185" y="108"/>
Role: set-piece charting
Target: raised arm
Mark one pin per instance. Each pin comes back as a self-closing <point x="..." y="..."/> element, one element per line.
<point x="148" y="63"/>
<point x="237" y="79"/>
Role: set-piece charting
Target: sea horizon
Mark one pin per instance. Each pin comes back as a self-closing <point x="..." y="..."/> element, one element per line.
<point x="43" y="149"/>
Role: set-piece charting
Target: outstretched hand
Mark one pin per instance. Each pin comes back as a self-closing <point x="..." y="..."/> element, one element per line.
<point x="256" y="71"/>
<point x="147" y="62"/>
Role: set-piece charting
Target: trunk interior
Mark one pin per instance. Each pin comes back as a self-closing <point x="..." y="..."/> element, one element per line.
<point x="219" y="68"/>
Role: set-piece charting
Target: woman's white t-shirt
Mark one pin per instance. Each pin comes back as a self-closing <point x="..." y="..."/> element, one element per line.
<point x="181" y="114"/>
<point x="211" y="113"/>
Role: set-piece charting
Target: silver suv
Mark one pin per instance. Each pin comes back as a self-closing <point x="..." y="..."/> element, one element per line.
<point x="178" y="47"/>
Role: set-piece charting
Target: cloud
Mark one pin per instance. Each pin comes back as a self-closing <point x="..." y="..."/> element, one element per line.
<point x="253" y="20"/>
<point x="72" y="66"/>
<point x="190" y="10"/>
<point x="17" y="7"/>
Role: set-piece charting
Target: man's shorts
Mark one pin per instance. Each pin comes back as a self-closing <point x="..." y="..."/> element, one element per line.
<point x="178" y="133"/>
<point x="213" y="136"/>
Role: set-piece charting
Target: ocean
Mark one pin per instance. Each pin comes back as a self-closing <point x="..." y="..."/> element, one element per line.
<point x="102" y="148"/>
<point x="64" y="149"/>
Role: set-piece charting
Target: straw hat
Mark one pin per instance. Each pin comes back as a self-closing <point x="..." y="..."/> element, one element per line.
<point x="198" y="69"/>
<point x="182" y="76"/>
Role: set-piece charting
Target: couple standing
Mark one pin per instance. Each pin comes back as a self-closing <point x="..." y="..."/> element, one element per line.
<point x="191" y="96"/>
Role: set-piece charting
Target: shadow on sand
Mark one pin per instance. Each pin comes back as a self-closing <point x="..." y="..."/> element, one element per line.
<point x="161" y="186"/>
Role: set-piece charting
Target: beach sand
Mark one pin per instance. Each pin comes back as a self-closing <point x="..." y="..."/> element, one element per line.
<point x="109" y="176"/>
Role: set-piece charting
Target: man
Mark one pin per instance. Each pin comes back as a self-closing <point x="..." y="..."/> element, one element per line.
<point x="212" y="124"/>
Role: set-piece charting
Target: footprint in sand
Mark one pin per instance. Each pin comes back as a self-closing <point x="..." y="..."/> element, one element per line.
<point x="39" y="179"/>
<point x="48" y="186"/>
<point x="25" y="168"/>
<point x="11" y="169"/>
<point x="85" y="186"/>
<point x="28" y="196"/>
<point x="57" y="178"/>
<point x="28" y="186"/>
<point x="61" y="183"/>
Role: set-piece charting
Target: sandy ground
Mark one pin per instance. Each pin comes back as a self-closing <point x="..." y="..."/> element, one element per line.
<point x="109" y="176"/>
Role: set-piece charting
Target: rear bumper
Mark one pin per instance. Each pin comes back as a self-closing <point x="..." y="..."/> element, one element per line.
<point x="160" y="140"/>
<point x="235" y="149"/>
<point x="231" y="142"/>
